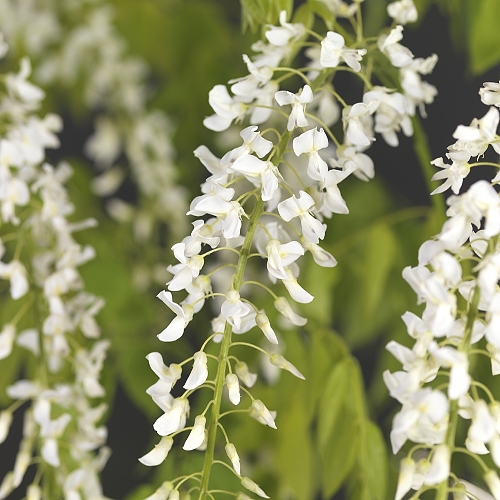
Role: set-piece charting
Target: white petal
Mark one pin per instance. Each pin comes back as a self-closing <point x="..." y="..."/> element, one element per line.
<point x="158" y="454"/>
<point x="199" y="373"/>
<point x="50" y="452"/>
<point x="440" y="465"/>
<point x="197" y="434"/>
<point x="174" y="330"/>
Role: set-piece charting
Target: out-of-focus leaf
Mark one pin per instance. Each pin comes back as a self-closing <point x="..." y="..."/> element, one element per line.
<point x="256" y="13"/>
<point x="422" y="7"/>
<point x="304" y="15"/>
<point x="341" y="418"/>
<point x="326" y="350"/>
<point x="294" y="453"/>
<point x="339" y="455"/>
<point x="380" y="249"/>
<point x="366" y="303"/>
<point x="369" y="478"/>
<point x="322" y="11"/>
<point x="332" y="402"/>
<point x="319" y="282"/>
<point x="141" y="492"/>
<point x="484" y="35"/>
<point x="375" y="17"/>
<point x="357" y="389"/>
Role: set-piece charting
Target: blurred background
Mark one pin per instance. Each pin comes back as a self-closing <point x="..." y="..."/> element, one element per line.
<point x="175" y="51"/>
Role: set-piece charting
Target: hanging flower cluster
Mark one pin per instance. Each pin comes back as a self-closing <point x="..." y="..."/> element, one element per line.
<point x="267" y="199"/>
<point x="75" y="45"/>
<point x="457" y="280"/>
<point x="53" y="325"/>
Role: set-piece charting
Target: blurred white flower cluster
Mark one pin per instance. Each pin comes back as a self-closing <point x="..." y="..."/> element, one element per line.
<point x="457" y="280"/>
<point x="75" y="46"/>
<point x="53" y="317"/>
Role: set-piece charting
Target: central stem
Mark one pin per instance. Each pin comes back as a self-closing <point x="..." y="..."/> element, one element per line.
<point x="224" y="352"/>
<point x="443" y="488"/>
<point x="220" y="378"/>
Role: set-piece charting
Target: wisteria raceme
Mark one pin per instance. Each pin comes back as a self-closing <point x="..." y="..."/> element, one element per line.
<point x="457" y="281"/>
<point x="75" y="45"/>
<point x="54" y="319"/>
<point x="271" y="196"/>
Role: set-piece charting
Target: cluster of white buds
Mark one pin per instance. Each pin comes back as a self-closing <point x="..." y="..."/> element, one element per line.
<point x="54" y="323"/>
<point x="457" y="280"/>
<point x="283" y="194"/>
<point x="75" y="45"/>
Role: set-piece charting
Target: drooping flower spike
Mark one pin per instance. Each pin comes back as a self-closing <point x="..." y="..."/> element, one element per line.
<point x="259" y="200"/>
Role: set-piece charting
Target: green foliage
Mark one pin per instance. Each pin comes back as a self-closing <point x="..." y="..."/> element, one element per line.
<point x="484" y="43"/>
<point x="369" y="478"/>
<point x="320" y="9"/>
<point x="295" y="454"/>
<point x="256" y="13"/>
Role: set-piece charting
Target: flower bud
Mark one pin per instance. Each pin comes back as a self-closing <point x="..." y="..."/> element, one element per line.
<point x="493" y="482"/>
<point x="406" y="471"/>
<point x="233" y="388"/>
<point x="5" y="421"/>
<point x="34" y="492"/>
<point x="244" y="374"/>
<point x="174" y="495"/>
<point x="279" y="361"/>
<point x="259" y="411"/>
<point x="263" y="323"/>
<point x="283" y="307"/>
<point x="233" y="456"/>
<point x="254" y="488"/>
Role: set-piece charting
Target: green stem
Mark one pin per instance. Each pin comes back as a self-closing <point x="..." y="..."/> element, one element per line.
<point x="224" y="352"/>
<point x="443" y="488"/>
<point x="220" y="378"/>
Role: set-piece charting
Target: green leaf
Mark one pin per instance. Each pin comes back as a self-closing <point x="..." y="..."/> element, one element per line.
<point x="381" y="248"/>
<point x="332" y="402"/>
<point x="294" y="452"/>
<point x="256" y="13"/>
<point x="377" y="463"/>
<point x="484" y="35"/>
<point x="320" y="8"/>
<point x="304" y="15"/>
<point x="357" y="389"/>
<point x="366" y="302"/>
<point x="141" y="492"/>
<point x="326" y="349"/>
<point x="319" y="282"/>
<point x="369" y="481"/>
<point x="339" y="456"/>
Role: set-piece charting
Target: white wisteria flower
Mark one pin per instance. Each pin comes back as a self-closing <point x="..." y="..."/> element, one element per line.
<point x="333" y="50"/>
<point x="312" y="229"/>
<point x="309" y="143"/>
<point x="298" y="101"/>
